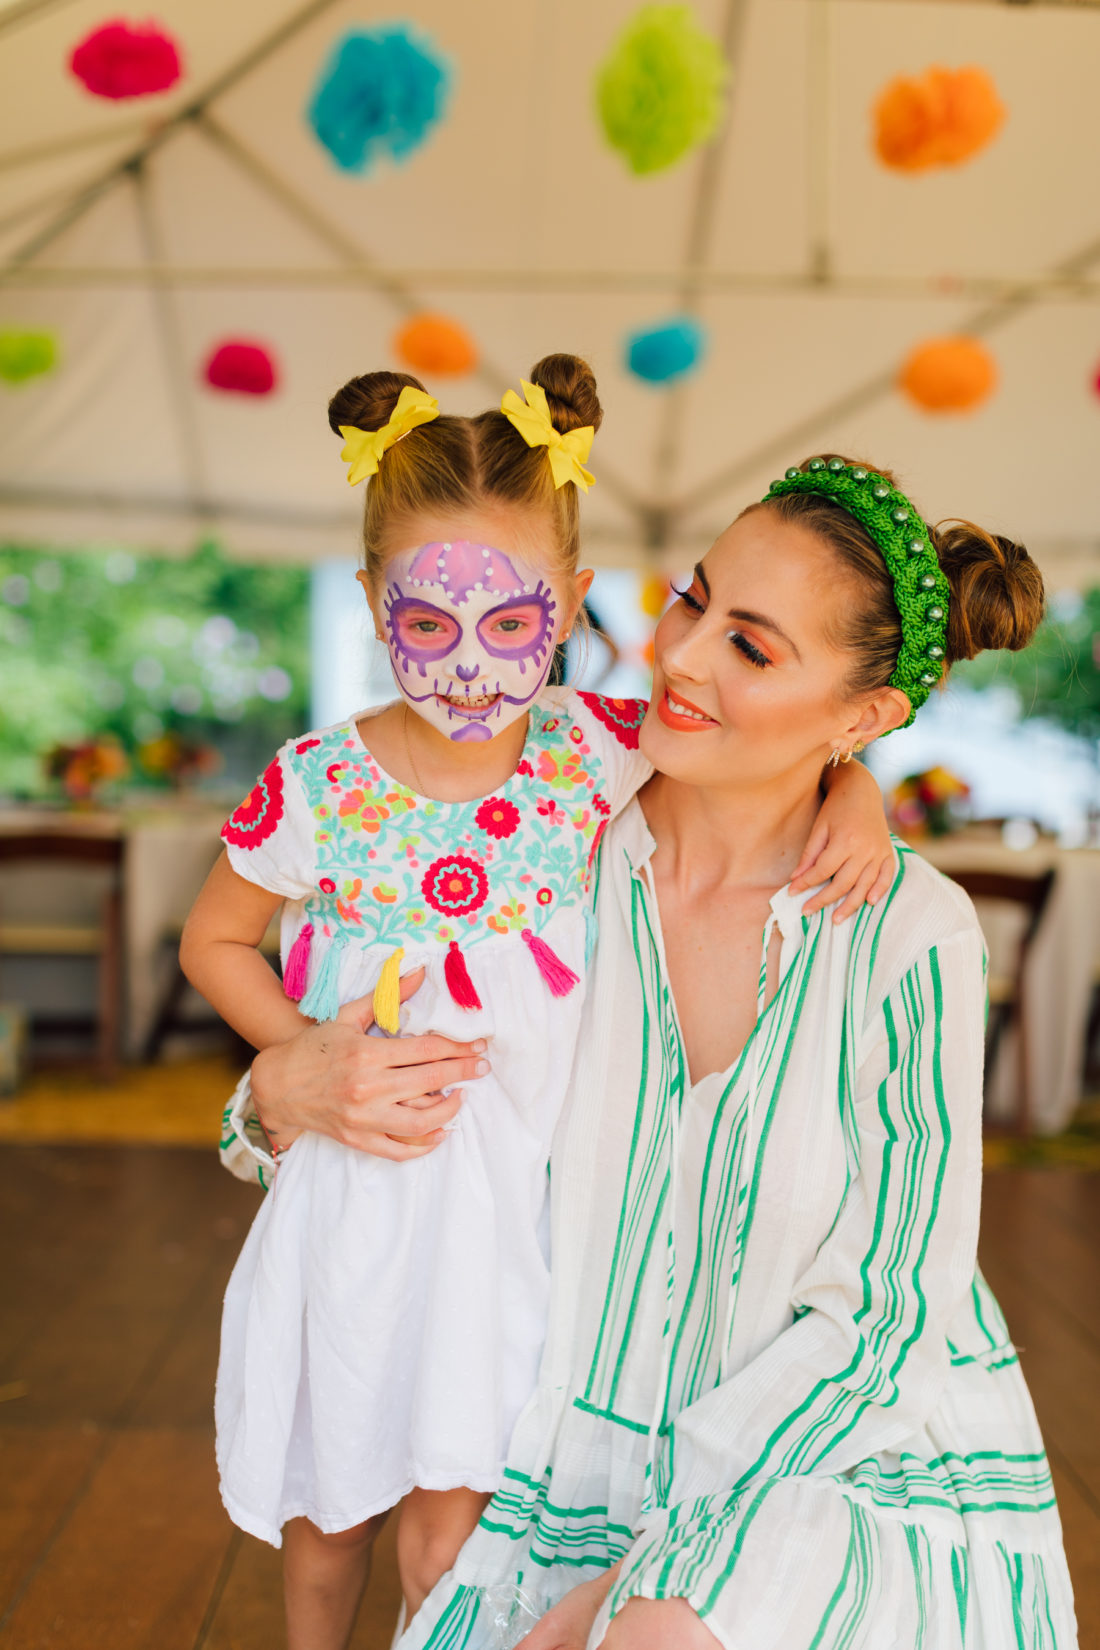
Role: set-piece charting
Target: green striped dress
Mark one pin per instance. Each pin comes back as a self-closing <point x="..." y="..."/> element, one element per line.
<point x="774" y="1381"/>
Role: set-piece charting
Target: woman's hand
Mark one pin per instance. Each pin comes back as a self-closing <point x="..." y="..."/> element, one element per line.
<point x="380" y="1095"/>
<point x="568" y="1624"/>
<point x="849" y="848"/>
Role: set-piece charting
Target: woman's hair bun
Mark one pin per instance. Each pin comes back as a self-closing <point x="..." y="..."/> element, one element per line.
<point x="570" y="386"/>
<point x="367" y="403"/>
<point x="997" y="593"/>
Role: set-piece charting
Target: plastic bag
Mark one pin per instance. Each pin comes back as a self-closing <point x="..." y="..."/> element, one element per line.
<point x="510" y="1614"/>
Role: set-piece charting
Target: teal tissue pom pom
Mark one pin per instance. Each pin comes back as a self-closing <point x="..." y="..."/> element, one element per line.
<point x="661" y="92"/>
<point x="664" y="353"/>
<point x="381" y="93"/>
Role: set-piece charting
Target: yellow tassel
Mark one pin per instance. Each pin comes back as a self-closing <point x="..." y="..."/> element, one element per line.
<point x="387" y="993"/>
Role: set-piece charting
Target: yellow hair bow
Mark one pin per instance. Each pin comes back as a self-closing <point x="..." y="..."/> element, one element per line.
<point x="567" y="453"/>
<point x="364" y="448"/>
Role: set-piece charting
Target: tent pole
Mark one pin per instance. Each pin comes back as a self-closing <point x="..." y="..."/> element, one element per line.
<point x="83" y="201"/>
<point x="351" y="254"/>
<point x="177" y="375"/>
<point x="26" y="11"/>
<point x="700" y="234"/>
<point x="788" y="444"/>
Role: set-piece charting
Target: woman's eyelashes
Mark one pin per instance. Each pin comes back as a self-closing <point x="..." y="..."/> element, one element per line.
<point x="692" y="599"/>
<point x="689" y="598"/>
<point x="753" y="654"/>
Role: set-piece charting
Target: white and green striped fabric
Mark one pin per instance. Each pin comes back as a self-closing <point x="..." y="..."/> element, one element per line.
<point x="774" y="1380"/>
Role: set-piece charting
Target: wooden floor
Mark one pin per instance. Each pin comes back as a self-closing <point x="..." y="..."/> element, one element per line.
<point x="115" y="1259"/>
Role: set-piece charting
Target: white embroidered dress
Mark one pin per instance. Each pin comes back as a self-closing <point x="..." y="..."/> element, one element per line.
<point x="774" y="1382"/>
<point x="383" y="1325"/>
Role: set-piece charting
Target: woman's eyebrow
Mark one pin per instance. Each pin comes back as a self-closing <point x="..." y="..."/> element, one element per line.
<point x="743" y="616"/>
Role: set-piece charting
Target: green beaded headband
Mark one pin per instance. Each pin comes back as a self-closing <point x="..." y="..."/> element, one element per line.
<point x="921" y="590"/>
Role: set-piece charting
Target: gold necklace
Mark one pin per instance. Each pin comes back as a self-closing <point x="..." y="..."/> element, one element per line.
<point x="408" y="752"/>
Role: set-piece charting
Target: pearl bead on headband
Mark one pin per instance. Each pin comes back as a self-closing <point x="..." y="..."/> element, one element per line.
<point x="921" y="590"/>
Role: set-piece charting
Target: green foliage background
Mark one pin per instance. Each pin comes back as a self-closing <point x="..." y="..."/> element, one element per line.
<point x="98" y="642"/>
<point x="1058" y="676"/>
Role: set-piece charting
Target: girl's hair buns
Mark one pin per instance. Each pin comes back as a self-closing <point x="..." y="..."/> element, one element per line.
<point x="367" y="403"/>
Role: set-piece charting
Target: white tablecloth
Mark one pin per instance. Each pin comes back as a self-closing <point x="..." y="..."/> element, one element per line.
<point x="1062" y="965"/>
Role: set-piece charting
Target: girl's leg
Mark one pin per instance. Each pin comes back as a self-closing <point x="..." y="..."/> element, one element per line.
<point x="323" y="1581"/>
<point x="432" y="1526"/>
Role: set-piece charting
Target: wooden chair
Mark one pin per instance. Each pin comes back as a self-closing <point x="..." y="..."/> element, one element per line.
<point x="1006" y="991"/>
<point x="103" y="940"/>
<point x="168" y="1017"/>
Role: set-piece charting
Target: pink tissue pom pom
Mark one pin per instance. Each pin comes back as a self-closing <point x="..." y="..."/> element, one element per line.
<point x="246" y="369"/>
<point x="121" y="60"/>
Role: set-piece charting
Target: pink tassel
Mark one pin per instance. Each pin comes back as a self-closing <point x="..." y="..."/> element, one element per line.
<point x="558" y="977"/>
<point x="297" y="965"/>
<point x="457" y="975"/>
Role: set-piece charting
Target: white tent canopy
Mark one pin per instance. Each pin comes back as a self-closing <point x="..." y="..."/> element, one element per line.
<point x="144" y="233"/>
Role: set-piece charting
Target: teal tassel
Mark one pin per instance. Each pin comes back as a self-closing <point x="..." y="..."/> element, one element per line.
<point x="322" y="1000"/>
<point x="591" y="933"/>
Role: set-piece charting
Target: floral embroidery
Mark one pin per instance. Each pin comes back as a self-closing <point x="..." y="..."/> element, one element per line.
<point x="391" y="868"/>
<point x="455" y="885"/>
<point x="562" y="769"/>
<point x="498" y="817"/>
<point x="622" y="716"/>
<point x="512" y="915"/>
<point x="257" y="816"/>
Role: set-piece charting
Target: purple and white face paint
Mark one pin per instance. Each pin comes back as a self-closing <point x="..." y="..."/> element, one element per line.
<point x="471" y="635"/>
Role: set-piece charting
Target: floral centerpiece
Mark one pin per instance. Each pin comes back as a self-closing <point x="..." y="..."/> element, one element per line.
<point x="930" y="803"/>
<point x="84" y="769"/>
<point x="177" y="760"/>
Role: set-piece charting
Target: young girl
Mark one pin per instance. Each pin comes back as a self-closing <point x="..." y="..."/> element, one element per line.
<point x="384" y="1323"/>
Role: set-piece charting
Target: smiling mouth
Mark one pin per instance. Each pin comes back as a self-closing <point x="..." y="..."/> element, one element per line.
<point x="469" y="704"/>
<point x="681" y="713"/>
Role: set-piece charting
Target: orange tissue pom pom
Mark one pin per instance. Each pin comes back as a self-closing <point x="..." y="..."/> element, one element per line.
<point x="949" y="375"/>
<point x="432" y="343"/>
<point x="939" y="119"/>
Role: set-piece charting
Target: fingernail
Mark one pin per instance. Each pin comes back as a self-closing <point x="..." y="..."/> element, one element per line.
<point x="482" y="1067"/>
<point x="480" y="1046"/>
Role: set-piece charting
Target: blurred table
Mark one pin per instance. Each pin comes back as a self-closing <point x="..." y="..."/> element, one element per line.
<point x="1061" y="967"/>
<point x="170" y="846"/>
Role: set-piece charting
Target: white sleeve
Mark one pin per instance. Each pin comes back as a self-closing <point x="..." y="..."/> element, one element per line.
<point x="610" y="727"/>
<point x="269" y="836"/>
<point x="243" y="1149"/>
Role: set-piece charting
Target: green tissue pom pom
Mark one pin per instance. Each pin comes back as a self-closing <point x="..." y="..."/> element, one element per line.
<point x="25" y="355"/>
<point x="661" y="92"/>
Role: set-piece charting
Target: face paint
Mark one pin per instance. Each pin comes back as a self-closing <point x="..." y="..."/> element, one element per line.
<point x="471" y="635"/>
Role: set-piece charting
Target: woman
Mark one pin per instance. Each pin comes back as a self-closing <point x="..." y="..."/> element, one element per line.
<point x="778" y="1406"/>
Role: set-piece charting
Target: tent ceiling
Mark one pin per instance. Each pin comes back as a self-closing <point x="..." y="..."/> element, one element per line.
<point x="143" y="234"/>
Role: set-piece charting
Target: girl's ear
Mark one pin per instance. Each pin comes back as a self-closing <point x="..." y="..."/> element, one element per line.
<point x="364" y="580"/>
<point x="582" y="584"/>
